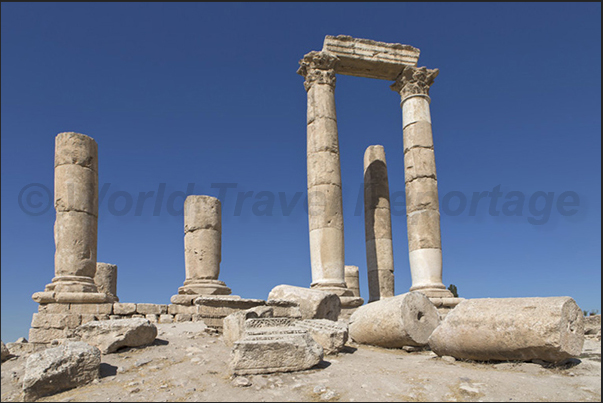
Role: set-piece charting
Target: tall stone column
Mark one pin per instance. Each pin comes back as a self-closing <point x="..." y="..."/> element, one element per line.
<point x="422" y="208"/>
<point x="75" y="228"/>
<point x="202" y="246"/>
<point x="378" y="225"/>
<point x="325" y="207"/>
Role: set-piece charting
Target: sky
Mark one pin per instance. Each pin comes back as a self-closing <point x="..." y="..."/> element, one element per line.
<point x="203" y="98"/>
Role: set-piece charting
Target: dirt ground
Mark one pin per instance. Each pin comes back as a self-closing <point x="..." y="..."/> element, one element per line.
<point x="188" y="364"/>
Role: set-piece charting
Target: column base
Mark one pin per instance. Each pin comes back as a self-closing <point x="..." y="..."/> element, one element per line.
<point x="433" y="291"/>
<point x="72" y="284"/>
<point x="204" y="287"/>
<point x="338" y="289"/>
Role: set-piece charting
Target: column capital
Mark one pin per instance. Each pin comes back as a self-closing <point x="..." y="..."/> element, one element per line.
<point x="414" y="81"/>
<point x="318" y="67"/>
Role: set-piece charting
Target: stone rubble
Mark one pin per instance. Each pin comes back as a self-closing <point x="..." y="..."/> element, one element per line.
<point x="110" y="335"/>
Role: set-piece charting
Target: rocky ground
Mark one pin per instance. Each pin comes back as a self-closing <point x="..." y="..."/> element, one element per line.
<point x="187" y="363"/>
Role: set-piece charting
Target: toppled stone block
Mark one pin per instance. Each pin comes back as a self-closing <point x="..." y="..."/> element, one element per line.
<point x="272" y="349"/>
<point x="111" y="335"/>
<point x="549" y="329"/>
<point x="313" y="304"/>
<point x="404" y="320"/>
<point x="332" y="336"/>
<point x="5" y="353"/>
<point x="592" y="326"/>
<point x="42" y="335"/>
<point x="284" y="308"/>
<point x="60" y="368"/>
<point x="234" y="324"/>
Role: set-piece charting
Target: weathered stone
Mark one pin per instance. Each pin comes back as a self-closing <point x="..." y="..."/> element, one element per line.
<point x="324" y="210"/>
<point x="283" y="350"/>
<point x="111" y="335"/>
<point x="183" y="299"/>
<point x="53" y="308"/>
<point x="380" y="283"/>
<point x="46" y="335"/>
<point x="424" y="230"/>
<point x="5" y="353"/>
<point x="152" y="317"/>
<point x="234" y="324"/>
<point x="331" y="335"/>
<point x="418" y="134"/>
<point x="175" y="309"/>
<point x="56" y="320"/>
<point x="284" y="308"/>
<point x="156" y="309"/>
<point x="403" y="320"/>
<point x="95" y="309"/>
<point x="124" y="308"/>
<point x="166" y="318"/>
<point x="313" y="304"/>
<point x="419" y="163"/>
<point x="75" y="235"/>
<point x="183" y="317"/>
<point x="422" y="194"/>
<point x="106" y="279"/>
<point x="592" y="324"/>
<point x="202" y="212"/>
<point x="76" y="148"/>
<point x="202" y="254"/>
<point x="25" y="348"/>
<point x="322" y="130"/>
<point x="369" y="58"/>
<point x="75" y="189"/>
<point x="549" y="329"/>
<point x="415" y="109"/>
<point x="352" y="280"/>
<point x="378" y="224"/>
<point x="323" y="168"/>
<point x="60" y="368"/>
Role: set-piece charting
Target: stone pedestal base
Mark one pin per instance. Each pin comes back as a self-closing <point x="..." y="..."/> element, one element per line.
<point x="433" y="292"/>
<point x="72" y="284"/>
<point x="204" y="287"/>
<point x="50" y="297"/>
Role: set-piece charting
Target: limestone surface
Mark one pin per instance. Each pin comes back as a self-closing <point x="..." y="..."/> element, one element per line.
<point x="549" y="329"/>
<point x="106" y="279"/>
<point x="331" y="335"/>
<point x="404" y="320"/>
<point x="110" y="335"/>
<point x="60" y="368"/>
<point x="280" y="349"/>
<point x="5" y="352"/>
<point x="313" y="304"/>
<point x="234" y="324"/>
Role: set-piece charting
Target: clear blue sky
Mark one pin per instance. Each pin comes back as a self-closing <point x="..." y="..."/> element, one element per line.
<point x="207" y="93"/>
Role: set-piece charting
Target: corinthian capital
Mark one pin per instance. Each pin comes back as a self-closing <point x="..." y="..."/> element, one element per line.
<point x="414" y="81"/>
<point x="318" y="67"/>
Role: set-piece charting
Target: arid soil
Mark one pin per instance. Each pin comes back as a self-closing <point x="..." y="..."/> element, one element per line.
<point x="186" y="363"/>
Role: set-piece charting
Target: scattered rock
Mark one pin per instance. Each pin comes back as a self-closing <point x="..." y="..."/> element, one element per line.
<point x="60" y="368"/>
<point x="313" y="304"/>
<point x="448" y="359"/>
<point x="241" y="381"/>
<point x="110" y="335"/>
<point x="142" y="362"/>
<point x="331" y="335"/>
<point x="5" y="353"/>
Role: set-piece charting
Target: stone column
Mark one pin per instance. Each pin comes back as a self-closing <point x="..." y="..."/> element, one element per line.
<point x="106" y="279"/>
<point x="422" y="208"/>
<point x="378" y="225"/>
<point x="202" y="246"/>
<point x="75" y="228"/>
<point x="351" y="279"/>
<point x="325" y="207"/>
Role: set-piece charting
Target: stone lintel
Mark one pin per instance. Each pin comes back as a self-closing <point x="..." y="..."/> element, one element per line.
<point x="368" y="58"/>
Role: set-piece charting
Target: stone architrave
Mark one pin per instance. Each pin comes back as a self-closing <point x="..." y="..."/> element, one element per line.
<point x="202" y="246"/>
<point x="75" y="228"/>
<point x="507" y="329"/>
<point x="378" y="225"/>
<point x="352" y="279"/>
<point x="325" y="207"/>
<point x="422" y="208"/>
<point x="404" y="320"/>
<point x="106" y="279"/>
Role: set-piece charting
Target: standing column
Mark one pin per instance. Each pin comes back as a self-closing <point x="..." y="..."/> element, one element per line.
<point x="202" y="246"/>
<point x="378" y="225"/>
<point x="422" y="208"/>
<point x="75" y="227"/>
<point x="325" y="207"/>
